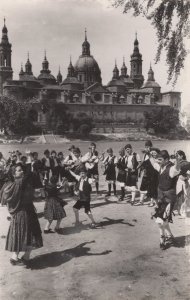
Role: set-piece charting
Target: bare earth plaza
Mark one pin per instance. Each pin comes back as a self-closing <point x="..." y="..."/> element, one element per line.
<point x="94" y="150"/>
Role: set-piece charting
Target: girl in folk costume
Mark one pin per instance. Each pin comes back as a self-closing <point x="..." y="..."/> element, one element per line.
<point x="110" y="163"/>
<point x="24" y="232"/>
<point x="53" y="209"/>
<point x="132" y="162"/>
<point x="91" y="160"/>
<point x="121" y="177"/>
<point x="85" y="190"/>
<point x="183" y="187"/>
<point x="167" y="179"/>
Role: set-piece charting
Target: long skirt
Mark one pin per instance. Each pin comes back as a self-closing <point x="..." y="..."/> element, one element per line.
<point x="24" y="231"/>
<point x="53" y="209"/>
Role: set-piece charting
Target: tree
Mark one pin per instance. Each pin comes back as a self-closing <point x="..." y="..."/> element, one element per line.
<point x="14" y="116"/>
<point x="171" y="20"/>
<point x="162" y="120"/>
<point x="58" y="117"/>
<point x="80" y="120"/>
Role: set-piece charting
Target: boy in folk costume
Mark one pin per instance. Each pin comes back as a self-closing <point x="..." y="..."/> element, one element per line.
<point x="68" y="162"/>
<point x="46" y="164"/>
<point x="110" y="163"/>
<point x="149" y="183"/>
<point x="132" y="162"/>
<point x="85" y="189"/>
<point x="121" y="177"/>
<point x="167" y="179"/>
<point x="91" y="163"/>
<point x="54" y="163"/>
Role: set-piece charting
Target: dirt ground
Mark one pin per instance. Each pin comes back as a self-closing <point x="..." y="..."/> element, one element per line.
<point x="119" y="260"/>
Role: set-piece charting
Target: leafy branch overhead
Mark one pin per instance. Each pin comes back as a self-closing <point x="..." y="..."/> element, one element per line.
<point x="171" y="20"/>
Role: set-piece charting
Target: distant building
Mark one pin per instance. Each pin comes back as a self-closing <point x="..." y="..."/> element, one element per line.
<point x="125" y="97"/>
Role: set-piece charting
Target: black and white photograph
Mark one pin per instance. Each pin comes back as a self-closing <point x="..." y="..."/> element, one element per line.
<point x="94" y="150"/>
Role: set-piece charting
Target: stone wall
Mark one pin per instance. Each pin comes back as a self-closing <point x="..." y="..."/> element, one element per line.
<point x="112" y="113"/>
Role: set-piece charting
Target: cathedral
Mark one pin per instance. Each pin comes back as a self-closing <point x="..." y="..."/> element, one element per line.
<point x="123" y="99"/>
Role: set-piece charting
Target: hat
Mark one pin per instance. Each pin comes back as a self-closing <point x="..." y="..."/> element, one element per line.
<point x="164" y="154"/>
<point x="128" y="146"/>
<point x="148" y="143"/>
<point x="71" y="148"/>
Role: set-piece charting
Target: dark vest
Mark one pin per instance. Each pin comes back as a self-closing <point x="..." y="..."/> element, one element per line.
<point x="167" y="183"/>
<point x="87" y="189"/>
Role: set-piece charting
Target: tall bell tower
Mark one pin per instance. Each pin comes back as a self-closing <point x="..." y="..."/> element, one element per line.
<point x="6" y="71"/>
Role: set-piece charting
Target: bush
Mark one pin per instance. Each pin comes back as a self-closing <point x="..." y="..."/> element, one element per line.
<point x="84" y="129"/>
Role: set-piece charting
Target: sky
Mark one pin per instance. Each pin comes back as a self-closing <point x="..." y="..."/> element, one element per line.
<point x="58" y="27"/>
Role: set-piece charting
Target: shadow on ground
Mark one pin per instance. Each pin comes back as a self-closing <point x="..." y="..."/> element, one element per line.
<point x="55" y="259"/>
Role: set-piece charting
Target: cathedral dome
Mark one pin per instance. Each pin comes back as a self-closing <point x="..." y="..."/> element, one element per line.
<point x="151" y="83"/>
<point x="46" y="76"/>
<point x="86" y="63"/>
<point x="116" y="82"/>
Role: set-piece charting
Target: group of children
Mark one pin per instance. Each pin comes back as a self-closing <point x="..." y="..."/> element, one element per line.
<point x="164" y="182"/>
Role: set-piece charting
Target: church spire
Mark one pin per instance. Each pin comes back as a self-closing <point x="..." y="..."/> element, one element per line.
<point x="4" y="38"/>
<point x="28" y="66"/>
<point x="115" y="71"/>
<point x="21" y="70"/>
<point x="151" y="74"/>
<point x="45" y="64"/>
<point x="86" y="46"/>
<point x="123" y="68"/>
<point x="136" y="65"/>
<point x="59" y="76"/>
<point x="6" y="71"/>
<point x="71" y="70"/>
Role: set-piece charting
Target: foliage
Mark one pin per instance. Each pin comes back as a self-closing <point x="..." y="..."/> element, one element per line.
<point x="58" y="118"/>
<point x="84" y="129"/>
<point x="15" y="118"/>
<point x="162" y="120"/>
<point x="82" y="119"/>
<point x="170" y="18"/>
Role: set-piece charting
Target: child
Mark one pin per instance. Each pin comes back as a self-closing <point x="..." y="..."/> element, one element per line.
<point x="183" y="189"/>
<point x="91" y="160"/>
<point x="110" y="163"/>
<point x="121" y="177"/>
<point x="85" y="190"/>
<point x="53" y="209"/>
<point x="132" y="162"/>
<point x="167" y="179"/>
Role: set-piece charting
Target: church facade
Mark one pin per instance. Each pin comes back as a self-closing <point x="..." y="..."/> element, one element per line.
<point x="123" y="99"/>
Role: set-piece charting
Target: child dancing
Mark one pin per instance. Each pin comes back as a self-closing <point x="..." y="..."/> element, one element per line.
<point x="85" y="189"/>
<point x="54" y="206"/>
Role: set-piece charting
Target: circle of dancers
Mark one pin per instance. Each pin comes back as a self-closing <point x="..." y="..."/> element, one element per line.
<point x="161" y="178"/>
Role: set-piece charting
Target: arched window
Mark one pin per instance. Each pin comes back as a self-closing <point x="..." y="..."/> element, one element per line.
<point x="5" y="62"/>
